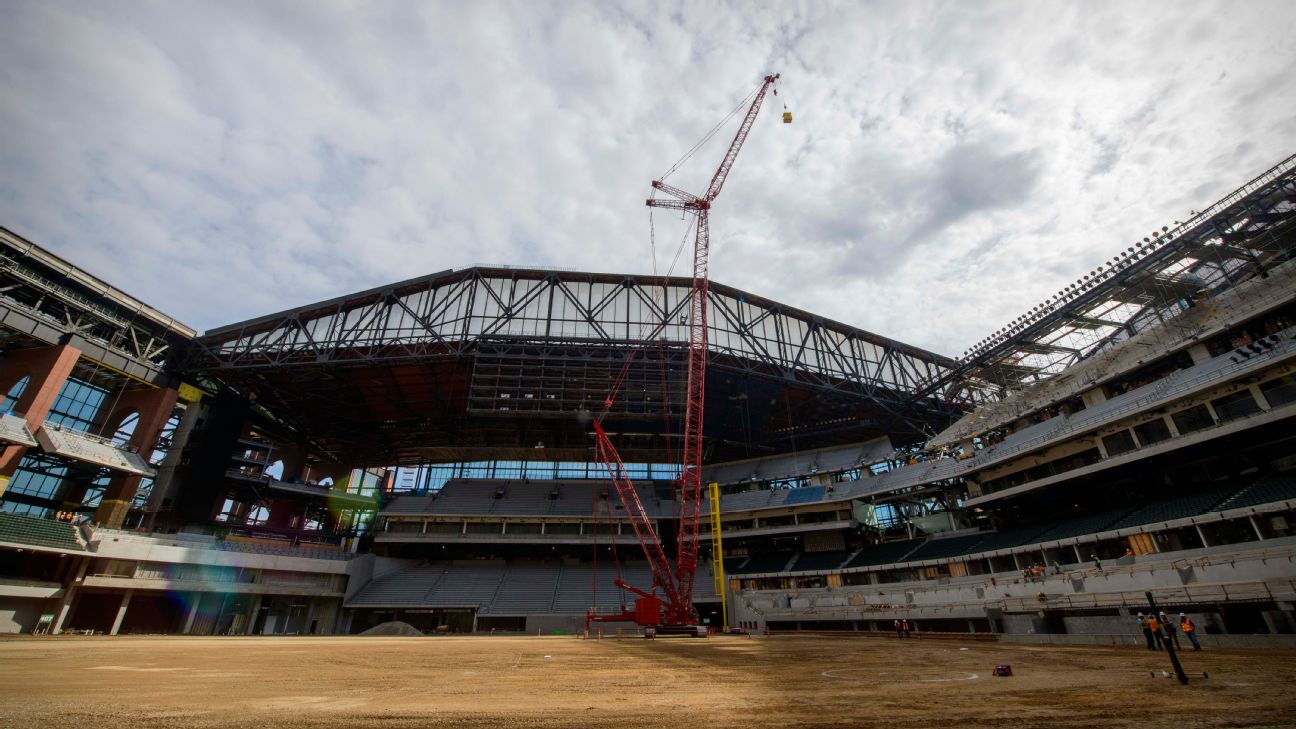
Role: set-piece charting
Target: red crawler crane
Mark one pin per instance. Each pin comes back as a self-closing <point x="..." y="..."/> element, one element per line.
<point x="675" y="607"/>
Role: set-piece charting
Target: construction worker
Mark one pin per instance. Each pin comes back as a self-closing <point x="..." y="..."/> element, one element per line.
<point x="904" y="625"/>
<point x="1147" y="632"/>
<point x="1167" y="625"/>
<point x="899" y="633"/>
<point x="1190" y="630"/>
<point x="1155" y="626"/>
<point x="1097" y="562"/>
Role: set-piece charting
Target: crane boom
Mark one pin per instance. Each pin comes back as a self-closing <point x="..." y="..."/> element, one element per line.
<point x="678" y="587"/>
<point x="643" y="528"/>
<point x="722" y="172"/>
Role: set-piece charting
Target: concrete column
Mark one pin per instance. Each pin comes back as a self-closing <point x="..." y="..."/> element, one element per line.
<point x="1093" y="396"/>
<point x="196" y="597"/>
<point x="154" y="408"/>
<point x="1256" y="526"/>
<point x="69" y="595"/>
<point x="1202" y="535"/>
<point x="1199" y="353"/>
<point x="1102" y="448"/>
<point x="1135" y="437"/>
<point x="294" y="462"/>
<point x="1260" y="399"/>
<point x="285" y="514"/>
<point x="121" y="612"/>
<point x="164" y="482"/>
<point x="252" y="615"/>
<point x="1079" y="557"/>
<point x="46" y="369"/>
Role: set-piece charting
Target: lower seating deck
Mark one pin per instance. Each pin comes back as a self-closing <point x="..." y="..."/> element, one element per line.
<point x="1046" y="541"/>
<point x="520" y="587"/>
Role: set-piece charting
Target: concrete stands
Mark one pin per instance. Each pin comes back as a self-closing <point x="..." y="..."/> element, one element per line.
<point x="44" y="533"/>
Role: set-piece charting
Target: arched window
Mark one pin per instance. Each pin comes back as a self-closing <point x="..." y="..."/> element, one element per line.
<point x="125" y="429"/>
<point x="275" y="470"/>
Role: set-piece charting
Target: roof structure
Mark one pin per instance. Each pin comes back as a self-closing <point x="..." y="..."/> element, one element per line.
<point x="500" y="362"/>
<point x="45" y="300"/>
<point x="1241" y="236"/>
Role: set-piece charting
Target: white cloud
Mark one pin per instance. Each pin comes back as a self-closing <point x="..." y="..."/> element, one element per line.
<point x="950" y="164"/>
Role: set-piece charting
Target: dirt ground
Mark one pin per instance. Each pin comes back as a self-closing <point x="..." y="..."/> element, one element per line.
<point x="784" y="681"/>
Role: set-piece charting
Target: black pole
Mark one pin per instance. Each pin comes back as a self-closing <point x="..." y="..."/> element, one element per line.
<point x="1169" y="642"/>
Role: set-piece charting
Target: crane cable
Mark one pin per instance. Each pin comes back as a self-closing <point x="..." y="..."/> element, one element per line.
<point x="616" y="558"/>
<point x="619" y="382"/>
<point x="707" y="138"/>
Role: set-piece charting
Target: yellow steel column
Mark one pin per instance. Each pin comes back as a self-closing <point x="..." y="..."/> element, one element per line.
<point x="717" y="554"/>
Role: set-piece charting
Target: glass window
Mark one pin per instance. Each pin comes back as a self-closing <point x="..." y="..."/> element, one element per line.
<point x="1193" y="419"/>
<point x="15" y="392"/>
<point x="1153" y="431"/>
<point x="13" y="507"/>
<point x="77" y="405"/>
<point x="38" y="475"/>
<point x="1118" y="443"/>
<point x="1279" y="391"/>
<point x="1237" y="405"/>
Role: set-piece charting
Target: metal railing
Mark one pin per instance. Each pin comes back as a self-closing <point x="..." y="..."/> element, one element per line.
<point x="1077" y="423"/>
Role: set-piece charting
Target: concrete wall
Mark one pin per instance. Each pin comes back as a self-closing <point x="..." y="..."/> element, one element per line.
<point x="547" y="624"/>
<point x="110" y="545"/>
<point x="1207" y="641"/>
<point x="1022" y="625"/>
<point x="18" y="615"/>
<point x="359" y="572"/>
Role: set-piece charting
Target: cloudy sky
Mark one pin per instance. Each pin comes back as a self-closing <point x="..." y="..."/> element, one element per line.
<point x="949" y="166"/>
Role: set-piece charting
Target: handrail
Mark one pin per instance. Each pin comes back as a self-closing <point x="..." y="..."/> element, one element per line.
<point x="973" y="581"/>
<point x="1076" y="424"/>
<point x="87" y="435"/>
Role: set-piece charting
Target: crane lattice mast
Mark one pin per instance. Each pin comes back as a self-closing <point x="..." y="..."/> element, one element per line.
<point x="678" y="587"/>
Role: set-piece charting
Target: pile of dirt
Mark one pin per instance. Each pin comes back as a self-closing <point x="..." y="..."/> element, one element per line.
<point x="394" y="627"/>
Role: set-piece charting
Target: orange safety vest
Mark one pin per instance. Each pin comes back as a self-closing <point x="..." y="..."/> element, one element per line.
<point x="1186" y="625"/>
<point x="1153" y="625"/>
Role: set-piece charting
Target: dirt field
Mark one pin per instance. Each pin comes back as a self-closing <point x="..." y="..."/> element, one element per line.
<point x="565" y="682"/>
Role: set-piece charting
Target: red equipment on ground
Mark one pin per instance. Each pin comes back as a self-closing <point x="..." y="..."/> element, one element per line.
<point x="675" y="606"/>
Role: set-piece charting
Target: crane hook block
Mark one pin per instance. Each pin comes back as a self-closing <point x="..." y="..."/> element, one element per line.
<point x="787" y="117"/>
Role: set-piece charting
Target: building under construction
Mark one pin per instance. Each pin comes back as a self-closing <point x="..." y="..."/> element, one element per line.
<point x="428" y="451"/>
